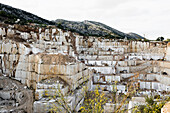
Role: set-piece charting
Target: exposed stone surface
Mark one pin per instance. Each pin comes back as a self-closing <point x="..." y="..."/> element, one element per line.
<point x="166" y="108"/>
<point x="49" y="59"/>
<point x="136" y="101"/>
<point x="34" y="57"/>
<point x="14" y="97"/>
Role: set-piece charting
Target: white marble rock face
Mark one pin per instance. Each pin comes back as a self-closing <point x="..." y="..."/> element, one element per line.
<point x="75" y="62"/>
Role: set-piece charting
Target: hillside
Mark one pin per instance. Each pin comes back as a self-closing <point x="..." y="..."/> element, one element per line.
<point x="92" y="28"/>
<point x="10" y="15"/>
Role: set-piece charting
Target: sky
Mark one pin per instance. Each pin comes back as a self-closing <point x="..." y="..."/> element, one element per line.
<point x="149" y="18"/>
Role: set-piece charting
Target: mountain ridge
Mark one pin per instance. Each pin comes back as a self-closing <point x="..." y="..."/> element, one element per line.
<point x="93" y="28"/>
<point x="11" y="15"/>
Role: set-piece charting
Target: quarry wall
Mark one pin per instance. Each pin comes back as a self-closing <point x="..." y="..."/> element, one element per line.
<point x="44" y="58"/>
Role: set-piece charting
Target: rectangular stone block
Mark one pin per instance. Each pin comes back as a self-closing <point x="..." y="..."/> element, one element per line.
<point x="32" y="67"/>
<point x="34" y="59"/>
<point x="20" y="66"/>
<point x="39" y="94"/>
<point x="23" y="58"/>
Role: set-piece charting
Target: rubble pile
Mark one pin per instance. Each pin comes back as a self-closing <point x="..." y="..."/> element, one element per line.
<point x="14" y="97"/>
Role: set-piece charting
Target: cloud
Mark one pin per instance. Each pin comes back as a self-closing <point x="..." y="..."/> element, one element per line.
<point x="149" y="17"/>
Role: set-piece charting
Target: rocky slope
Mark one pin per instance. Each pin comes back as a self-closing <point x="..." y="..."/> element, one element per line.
<point x="92" y="28"/>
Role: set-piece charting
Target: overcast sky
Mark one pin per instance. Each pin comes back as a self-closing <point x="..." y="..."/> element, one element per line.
<point x="145" y="17"/>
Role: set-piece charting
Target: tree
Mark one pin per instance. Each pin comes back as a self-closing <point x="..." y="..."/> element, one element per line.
<point x="160" y="38"/>
<point x="168" y="40"/>
<point x="94" y="102"/>
<point x="151" y="105"/>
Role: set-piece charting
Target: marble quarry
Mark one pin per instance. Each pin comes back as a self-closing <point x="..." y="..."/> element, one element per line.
<point x="39" y="61"/>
